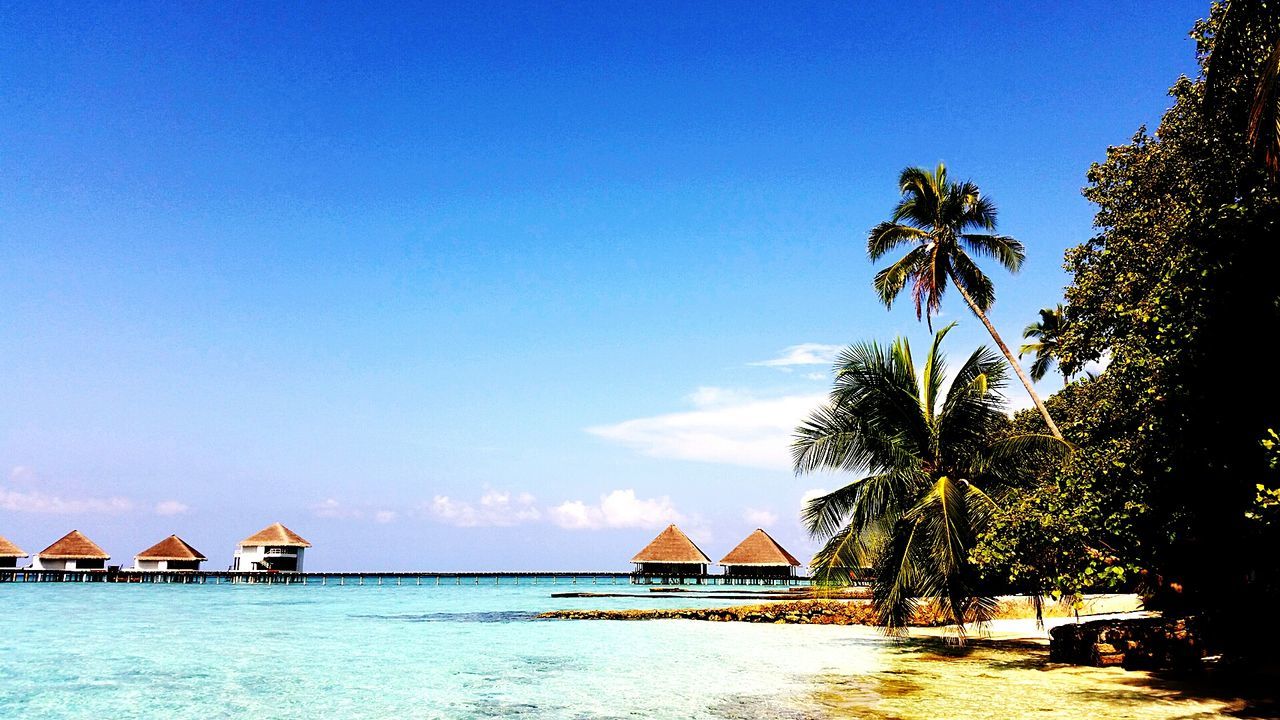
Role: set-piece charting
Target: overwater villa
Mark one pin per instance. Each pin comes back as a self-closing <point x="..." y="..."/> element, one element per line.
<point x="671" y="555"/>
<point x="72" y="551"/>
<point x="273" y="548"/>
<point x="759" y="556"/>
<point x="171" y="553"/>
<point x="10" y="554"/>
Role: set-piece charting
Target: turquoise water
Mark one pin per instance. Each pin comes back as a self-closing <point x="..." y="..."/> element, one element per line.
<point x="263" y="652"/>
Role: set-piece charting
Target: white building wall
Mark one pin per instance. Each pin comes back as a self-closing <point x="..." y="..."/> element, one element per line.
<point x="250" y="554"/>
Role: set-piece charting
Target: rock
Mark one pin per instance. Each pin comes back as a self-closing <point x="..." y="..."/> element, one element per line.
<point x="1150" y="643"/>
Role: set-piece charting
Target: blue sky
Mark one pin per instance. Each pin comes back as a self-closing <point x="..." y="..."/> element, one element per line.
<point x="496" y="286"/>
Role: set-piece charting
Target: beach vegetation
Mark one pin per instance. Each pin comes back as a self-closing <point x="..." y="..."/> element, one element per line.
<point x="1173" y="474"/>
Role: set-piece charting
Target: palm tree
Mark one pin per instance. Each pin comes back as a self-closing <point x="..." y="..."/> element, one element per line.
<point x="931" y="466"/>
<point x="1047" y="334"/>
<point x="938" y="218"/>
<point x="1249" y="92"/>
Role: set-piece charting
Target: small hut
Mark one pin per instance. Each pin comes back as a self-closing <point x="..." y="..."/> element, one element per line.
<point x="673" y="555"/>
<point x="72" y="551"/>
<point x="171" y="553"/>
<point x="274" y="548"/>
<point x="10" y="554"/>
<point x="759" y="556"/>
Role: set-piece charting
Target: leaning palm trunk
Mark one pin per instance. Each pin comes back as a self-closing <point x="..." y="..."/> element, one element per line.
<point x="1026" y="381"/>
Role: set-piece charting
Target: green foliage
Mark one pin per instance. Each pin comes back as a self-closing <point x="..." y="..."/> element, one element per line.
<point x="1266" y="506"/>
<point x="932" y="468"/>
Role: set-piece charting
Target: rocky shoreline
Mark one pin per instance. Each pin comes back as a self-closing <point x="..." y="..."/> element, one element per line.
<point x="816" y="612"/>
<point x="838" y="611"/>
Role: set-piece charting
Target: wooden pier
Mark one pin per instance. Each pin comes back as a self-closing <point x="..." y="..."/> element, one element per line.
<point x="214" y="577"/>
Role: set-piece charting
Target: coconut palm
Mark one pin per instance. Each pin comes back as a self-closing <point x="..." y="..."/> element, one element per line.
<point x="932" y="466"/>
<point x="938" y="219"/>
<point x="1046" y="334"/>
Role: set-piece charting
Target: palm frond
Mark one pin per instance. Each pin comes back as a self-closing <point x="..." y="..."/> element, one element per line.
<point x="1042" y="364"/>
<point x="888" y="235"/>
<point x="894" y="588"/>
<point x="933" y="375"/>
<point x="1264" y="114"/>
<point x="889" y="282"/>
<point x="974" y="409"/>
<point x="974" y="281"/>
<point x="1003" y="249"/>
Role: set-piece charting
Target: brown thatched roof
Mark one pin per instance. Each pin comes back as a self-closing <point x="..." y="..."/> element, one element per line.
<point x="9" y="550"/>
<point x="275" y="534"/>
<point x="759" y="549"/>
<point x="170" y="548"/>
<point x="671" y="546"/>
<point x="74" y="546"/>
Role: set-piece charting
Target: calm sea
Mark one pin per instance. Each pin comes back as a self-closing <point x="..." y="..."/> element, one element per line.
<point x="261" y="652"/>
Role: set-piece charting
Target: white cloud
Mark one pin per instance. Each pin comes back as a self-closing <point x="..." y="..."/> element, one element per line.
<point x="24" y="495"/>
<point x="171" y="507"/>
<point x="759" y="517"/>
<point x="812" y="493"/>
<point x="331" y="508"/>
<point x="494" y="509"/>
<point x="385" y="516"/>
<point x="34" y="501"/>
<point x="618" y="509"/>
<point x="729" y="428"/>
<point x="711" y="397"/>
<point x="1098" y="366"/>
<point x="803" y="354"/>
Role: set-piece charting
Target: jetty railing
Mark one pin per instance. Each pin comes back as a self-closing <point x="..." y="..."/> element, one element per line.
<point x="219" y="577"/>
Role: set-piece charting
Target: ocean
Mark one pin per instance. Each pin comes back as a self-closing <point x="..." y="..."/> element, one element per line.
<point x="200" y="652"/>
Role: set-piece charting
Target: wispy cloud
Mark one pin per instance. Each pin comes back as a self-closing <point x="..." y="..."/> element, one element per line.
<point x="171" y="507"/>
<point x="759" y="517"/>
<point x="618" y="509"/>
<point x="802" y="354"/>
<point x="494" y="509"/>
<point x="735" y="430"/>
<point x="37" y="502"/>
<point x="333" y="508"/>
<point x="22" y="494"/>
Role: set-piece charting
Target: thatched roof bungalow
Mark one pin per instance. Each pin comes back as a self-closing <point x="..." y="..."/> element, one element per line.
<point x="171" y="553"/>
<point x="72" y="551"/>
<point x="760" y="556"/>
<point x="10" y="554"/>
<point x="274" y="548"/>
<point x="671" y="554"/>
